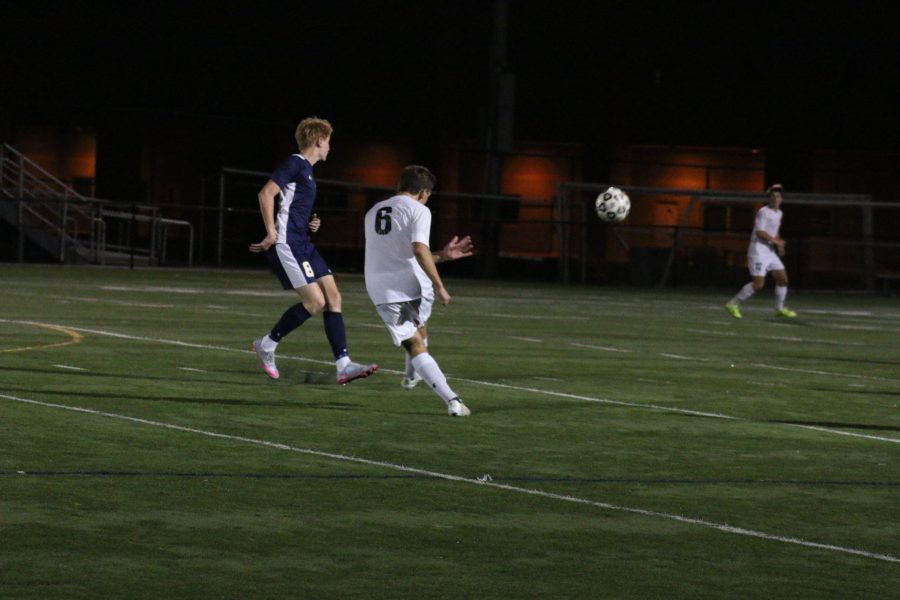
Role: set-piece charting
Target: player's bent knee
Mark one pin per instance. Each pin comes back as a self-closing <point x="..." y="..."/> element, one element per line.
<point x="333" y="303"/>
<point x="414" y="345"/>
<point x="314" y="307"/>
<point x="781" y="279"/>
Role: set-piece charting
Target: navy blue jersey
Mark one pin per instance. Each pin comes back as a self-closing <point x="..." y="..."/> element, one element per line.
<point x="298" y="194"/>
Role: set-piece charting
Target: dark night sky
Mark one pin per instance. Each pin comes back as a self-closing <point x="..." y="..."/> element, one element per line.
<point x="745" y="74"/>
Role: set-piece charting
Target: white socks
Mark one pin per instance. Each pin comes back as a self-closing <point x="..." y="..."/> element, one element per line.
<point x="780" y="295"/>
<point x="742" y="295"/>
<point x="267" y="344"/>
<point x="342" y="363"/>
<point x="747" y="291"/>
<point x="410" y="370"/>
<point x="428" y="369"/>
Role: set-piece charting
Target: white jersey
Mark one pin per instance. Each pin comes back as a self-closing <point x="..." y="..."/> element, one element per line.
<point x="392" y="272"/>
<point x="768" y="219"/>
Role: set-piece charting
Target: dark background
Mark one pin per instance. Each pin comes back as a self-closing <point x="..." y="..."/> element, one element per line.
<point x="781" y="76"/>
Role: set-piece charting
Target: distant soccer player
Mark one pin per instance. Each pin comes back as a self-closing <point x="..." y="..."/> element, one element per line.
<point x="293" y="257"/>
<point x="766" y="246"/>
<point x="402" y="279"/>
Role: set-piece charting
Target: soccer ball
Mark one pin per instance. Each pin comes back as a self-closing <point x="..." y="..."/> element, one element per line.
<point x="613" y="205"/>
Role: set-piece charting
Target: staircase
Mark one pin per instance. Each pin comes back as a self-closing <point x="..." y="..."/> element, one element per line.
<point x="71" y="228"/>
<point x="46" y="212"/>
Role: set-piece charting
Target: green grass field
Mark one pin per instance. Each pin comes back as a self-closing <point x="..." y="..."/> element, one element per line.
<point x="623" y="443"/>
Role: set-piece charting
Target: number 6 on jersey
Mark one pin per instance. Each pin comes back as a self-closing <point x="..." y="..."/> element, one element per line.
<point x="383" y="220"/>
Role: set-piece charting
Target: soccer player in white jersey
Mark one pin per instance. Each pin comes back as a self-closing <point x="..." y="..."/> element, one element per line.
<point x="766" y="246"/>
<point x="293" y="257"/>
<point x="402" y="277"/>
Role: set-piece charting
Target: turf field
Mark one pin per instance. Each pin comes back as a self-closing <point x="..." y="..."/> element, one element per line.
<point x="623" y="443"/>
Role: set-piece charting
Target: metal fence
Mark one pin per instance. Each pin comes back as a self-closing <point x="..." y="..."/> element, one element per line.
<point x="700" y="237"/>
<point x="672" y="236"/>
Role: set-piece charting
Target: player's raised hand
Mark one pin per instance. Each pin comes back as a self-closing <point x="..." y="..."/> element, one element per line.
<point x="458" y="248"/>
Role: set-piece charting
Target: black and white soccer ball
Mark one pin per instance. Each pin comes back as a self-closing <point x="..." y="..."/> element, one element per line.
<point x="613" y="205"/>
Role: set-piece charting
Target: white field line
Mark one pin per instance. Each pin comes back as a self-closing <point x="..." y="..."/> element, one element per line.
<point x="829" y="373"/>
<point x="569" y="396"/>
<point x="864" y="328"/>
<point x="537" y="317"/>
<point x="773" y="337"/>
<point x="713" y="332"/>
<point x="113" y="302"/>
<point x="595" y="347"/>
<point x="476" y="481"/>
<point x="69" y="367"/>
<point x="153" y="289"/>
<point x="473" y="381"/>
<point x="681" y="357"/>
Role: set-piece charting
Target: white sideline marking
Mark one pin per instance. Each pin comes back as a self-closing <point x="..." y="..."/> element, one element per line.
<point x="538" y="317"/>
<point x="483" y="383"/>
<point x="817" y="372"/>
<point x="680" y="357"/>
<point x="67" y="299"/>
<point x="70" y="368"/>
<point x="593" y="347"/>
<point x="485" y="481"/>
<point x="151" y="288"/>
<point x="525" y="339"/>
<point x="774" y="337"/>
<point x="840" y="313"/>
<point x="713" y="332"/>
<point x="192" y="369"/>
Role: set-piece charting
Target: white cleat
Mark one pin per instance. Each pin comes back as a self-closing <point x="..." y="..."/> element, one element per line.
<point x="355" y="371"/>
<point x="407" y="384"/>
<point x="457" y="409"/>
<point x="266" y="359"/>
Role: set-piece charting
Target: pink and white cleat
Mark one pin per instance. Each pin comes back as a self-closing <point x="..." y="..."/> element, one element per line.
<point x="355" y="371"/>
<point x="266" y="359"/>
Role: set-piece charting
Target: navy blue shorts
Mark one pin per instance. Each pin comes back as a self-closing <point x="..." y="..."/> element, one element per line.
<point x="296" y="269"/>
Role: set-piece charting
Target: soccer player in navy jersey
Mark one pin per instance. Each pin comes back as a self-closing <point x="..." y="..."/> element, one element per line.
<point x="293" y="257"/>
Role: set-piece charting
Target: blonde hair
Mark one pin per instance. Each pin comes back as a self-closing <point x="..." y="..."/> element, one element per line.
<point x="311" y="130"/>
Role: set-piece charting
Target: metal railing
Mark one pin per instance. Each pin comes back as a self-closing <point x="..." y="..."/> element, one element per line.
<point x="49" y="204"/>
<point x="70" y="226"/>
<point x="843" y="240"/>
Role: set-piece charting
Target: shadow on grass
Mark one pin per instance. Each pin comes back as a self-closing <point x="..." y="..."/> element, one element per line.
<point x="838" y="359"/>
<point x="857" y="391"/>
<point x="864" y="426"/>
<point x="254" y="377"/>
<point x="286" y="403"/>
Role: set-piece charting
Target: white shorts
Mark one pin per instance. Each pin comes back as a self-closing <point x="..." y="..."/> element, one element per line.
<point x="763" y="261"/>
<point x="402" y="319"/>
